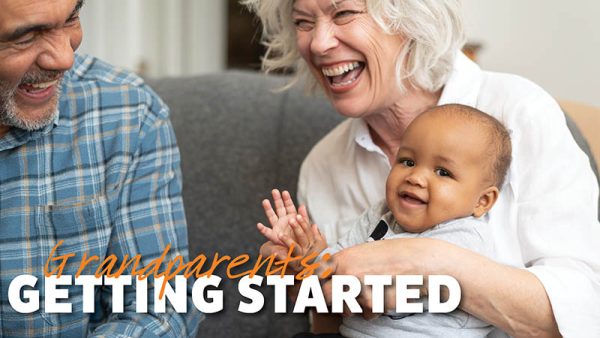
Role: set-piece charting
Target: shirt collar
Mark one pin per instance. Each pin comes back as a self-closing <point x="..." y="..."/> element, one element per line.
<point x="363" y="138"/>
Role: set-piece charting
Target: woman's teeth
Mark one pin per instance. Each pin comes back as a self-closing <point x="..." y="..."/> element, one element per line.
<point x="339" y="69"/>
<point x="344" y="74"/>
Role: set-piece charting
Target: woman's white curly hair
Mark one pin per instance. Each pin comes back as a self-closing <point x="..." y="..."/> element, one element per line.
<point x="433" y="28"/>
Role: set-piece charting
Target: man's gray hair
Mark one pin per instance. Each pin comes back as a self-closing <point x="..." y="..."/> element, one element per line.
<point x="433" y="29"/>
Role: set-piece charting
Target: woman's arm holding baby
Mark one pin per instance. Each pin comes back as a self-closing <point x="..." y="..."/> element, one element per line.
<point x="509" y="298"/>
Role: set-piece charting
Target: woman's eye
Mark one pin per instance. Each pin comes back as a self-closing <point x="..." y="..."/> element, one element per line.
<point x="443" y="172"/>
<point x="345" y="16"/>
<point x="407" y="163"/>
<point x="344" y="13"/>
<point x="303" y="25"/>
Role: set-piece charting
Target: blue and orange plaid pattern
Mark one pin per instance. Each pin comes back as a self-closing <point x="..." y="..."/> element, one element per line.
<point x="105" y="179"/>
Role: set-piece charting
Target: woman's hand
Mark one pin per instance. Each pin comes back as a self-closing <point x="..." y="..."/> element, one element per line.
<point x="389" y="257"/>
<point x="511" y="299"/>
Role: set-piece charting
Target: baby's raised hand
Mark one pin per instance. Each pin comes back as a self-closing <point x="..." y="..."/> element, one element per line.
<point x="306" y="238"/>
<point x="279" y="217"/>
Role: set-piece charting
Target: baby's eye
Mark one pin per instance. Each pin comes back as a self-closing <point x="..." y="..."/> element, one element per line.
<point x="443" y="172"/>
<point x="406" y="162"/>
<point x="303" y="25"/>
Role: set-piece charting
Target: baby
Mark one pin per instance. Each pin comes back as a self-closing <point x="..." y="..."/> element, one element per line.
<point x="450" y="165"/>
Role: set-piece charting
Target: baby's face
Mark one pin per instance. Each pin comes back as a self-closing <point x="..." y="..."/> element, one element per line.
<point x="439" y="173"/>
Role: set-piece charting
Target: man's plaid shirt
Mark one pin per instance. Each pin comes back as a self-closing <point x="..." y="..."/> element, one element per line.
<point x="105" y="178"/>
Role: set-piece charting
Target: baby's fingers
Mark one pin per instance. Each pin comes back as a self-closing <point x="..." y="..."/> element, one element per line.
<point x="269" y="212"/>
<point x="290" y="243"/>
<point x="299" y="235"/>
<point x="268" y="233"/>
<point x="303" y="222"/>
<point x="278" y="202"/>
<point x="288" y="203"/>
<point x="312" y="231"/>
<point x="317" y="233"/>
<point x="304" y="212"/>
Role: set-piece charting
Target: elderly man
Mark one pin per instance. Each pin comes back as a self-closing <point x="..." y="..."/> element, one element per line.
<point x="87" y="159"/>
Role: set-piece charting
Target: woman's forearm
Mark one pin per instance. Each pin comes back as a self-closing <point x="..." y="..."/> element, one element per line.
<point x="509" y="298"/>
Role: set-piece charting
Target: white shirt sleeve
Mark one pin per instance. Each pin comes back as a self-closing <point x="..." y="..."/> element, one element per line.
<point x="557" y="228"/>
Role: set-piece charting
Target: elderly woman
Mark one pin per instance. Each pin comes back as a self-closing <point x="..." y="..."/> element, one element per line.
<point x="383" y="62"/>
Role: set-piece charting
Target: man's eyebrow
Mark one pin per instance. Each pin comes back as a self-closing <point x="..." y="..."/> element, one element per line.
<point x="24" y="30"/>
<point x="77" y="8"/>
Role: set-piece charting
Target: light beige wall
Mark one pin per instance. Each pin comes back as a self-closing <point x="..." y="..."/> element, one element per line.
<point x="172" y="37"/>
<point x="587" y="119"/>
<point x="555" y="43"/>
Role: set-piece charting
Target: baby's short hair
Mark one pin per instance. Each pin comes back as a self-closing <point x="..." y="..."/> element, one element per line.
<point x="499" y="144"/>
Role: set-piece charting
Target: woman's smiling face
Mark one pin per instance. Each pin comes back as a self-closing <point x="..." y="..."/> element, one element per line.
<point x="352" y="58"/>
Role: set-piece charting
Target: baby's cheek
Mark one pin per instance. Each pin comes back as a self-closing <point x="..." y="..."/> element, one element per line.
<point x="453" y="202"/>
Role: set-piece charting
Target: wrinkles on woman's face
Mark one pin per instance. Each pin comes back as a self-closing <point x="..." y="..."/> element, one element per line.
<point x="381" y="61"/>
<point x="349" y="54"/>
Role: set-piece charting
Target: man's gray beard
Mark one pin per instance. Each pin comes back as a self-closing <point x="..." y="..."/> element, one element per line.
<point x="9" y="112"/>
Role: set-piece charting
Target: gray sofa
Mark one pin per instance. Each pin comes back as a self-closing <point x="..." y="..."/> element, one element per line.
<point x="239" y="140"/>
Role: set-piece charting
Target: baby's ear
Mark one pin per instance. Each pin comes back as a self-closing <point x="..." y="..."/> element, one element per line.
<point x="486" y="201"/>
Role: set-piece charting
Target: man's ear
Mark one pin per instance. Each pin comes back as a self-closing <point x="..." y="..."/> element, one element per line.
<point x="486" y="201"/>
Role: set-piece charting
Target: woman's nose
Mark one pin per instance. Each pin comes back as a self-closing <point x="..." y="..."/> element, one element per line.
<point x="324" y="38"/>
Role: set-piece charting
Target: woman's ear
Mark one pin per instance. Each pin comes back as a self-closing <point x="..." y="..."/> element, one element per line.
<point x="486" y="201"/>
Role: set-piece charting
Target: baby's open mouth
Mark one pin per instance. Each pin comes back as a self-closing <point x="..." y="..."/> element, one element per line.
<point x="412" y="198"/>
